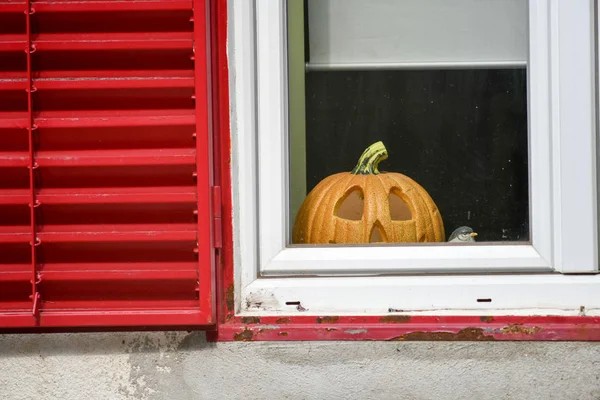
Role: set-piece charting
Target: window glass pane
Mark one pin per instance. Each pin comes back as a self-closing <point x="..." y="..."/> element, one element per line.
<point x="454" y="128"/>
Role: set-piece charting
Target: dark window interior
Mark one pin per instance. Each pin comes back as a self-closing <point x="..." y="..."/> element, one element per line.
<point x="460" y="133"/>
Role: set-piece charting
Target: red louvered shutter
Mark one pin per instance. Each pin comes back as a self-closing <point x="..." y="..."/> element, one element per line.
<point x="105" y="166"/>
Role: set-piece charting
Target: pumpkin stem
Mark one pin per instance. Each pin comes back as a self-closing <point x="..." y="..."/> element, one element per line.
<point x="368" y="163"/>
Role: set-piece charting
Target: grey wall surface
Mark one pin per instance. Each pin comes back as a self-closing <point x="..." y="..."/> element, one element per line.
<point x="182" y="365"/>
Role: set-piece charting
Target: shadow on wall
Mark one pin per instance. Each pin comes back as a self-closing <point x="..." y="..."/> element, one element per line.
<point x="88" y="343"/>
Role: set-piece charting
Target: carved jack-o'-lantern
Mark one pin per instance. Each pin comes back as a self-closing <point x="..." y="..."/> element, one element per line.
<point x="366" y="206"/>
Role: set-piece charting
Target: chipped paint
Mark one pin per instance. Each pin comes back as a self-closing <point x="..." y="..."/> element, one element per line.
<point x="249" y="333"/>
<point x="266" y="327"/>
<point x="395" y="319"/>
<point x="300" y="308"/>
<point x="515" y="329"/>
<point x="405" y="327"/>
<point x="244" y="336"/>
<point x="229" y="299"/>
<point x="250" y="320"/>
<point x="355" y="331"/>
<point x="463" y="334"/>
<point x="518" y="329"/>
<point x="261" y="301"/>
<point x="327" y="320"/>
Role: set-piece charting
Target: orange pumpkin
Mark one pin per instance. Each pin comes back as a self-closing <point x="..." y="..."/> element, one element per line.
<point x="366" y="206"/>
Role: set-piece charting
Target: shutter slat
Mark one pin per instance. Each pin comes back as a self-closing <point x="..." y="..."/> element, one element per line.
<point x="108" y="83"/>
<point x="103" y="318"/>
<point x="124" y="195"/>
<point x="111" y="5"/>
<point x="15" y="234"/>
<point x="11" y="7"/>
<point x="100" y="233"/>
<point x="128" y="118"/>
<point x="98" y="81"/>
<point x="14" y="196"/>
<point x="113" y="41"/>
<point x="121" y="232"/>
<point x="128" y="274"/>
<point x="107" y="158"/>
<point x="15" y="272"/>
<point x="11" y="84"/>
<point x="103" y="271"/>
<point x="68" y="119"/>
<point x="120" y="271"/>
<point x="118" y="195"/>
<point x="14" y="159"/>
<point x="115" y="75"/>
<point x="63" y="80"/>
<point x="99" y="41"/>
<point x="13" y="43"/>
<point x="12" y="120"/>
<point x="115" y="305"/>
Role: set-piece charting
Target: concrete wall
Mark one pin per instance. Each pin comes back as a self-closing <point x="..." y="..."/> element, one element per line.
<point x="169" y="365"/>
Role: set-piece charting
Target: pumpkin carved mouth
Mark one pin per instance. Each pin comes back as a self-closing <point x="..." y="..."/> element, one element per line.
<point x="368" y="206"/>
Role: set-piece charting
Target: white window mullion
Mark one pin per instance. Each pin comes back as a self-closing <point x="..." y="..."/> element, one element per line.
<point x="539" y="117"/>
<point x="574" y="136"/>
<point x="272" y="125"/>
<point x="242" y="61"/>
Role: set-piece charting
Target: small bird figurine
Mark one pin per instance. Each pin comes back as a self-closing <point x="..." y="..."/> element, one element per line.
<point x="462" y="234"/>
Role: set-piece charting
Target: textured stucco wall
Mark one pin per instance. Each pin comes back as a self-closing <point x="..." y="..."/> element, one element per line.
<point x="183" y="365"/>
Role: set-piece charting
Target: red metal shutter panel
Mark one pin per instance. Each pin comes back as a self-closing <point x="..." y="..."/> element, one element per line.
<point x="105" y="164"/>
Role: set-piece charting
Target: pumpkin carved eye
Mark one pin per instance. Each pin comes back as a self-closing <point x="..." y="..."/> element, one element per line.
<point x="399" y="210"/>
<point x="351" y="206"/>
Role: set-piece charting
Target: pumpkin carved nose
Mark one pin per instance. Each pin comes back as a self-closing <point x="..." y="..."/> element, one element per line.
<point x="376" y="235"/>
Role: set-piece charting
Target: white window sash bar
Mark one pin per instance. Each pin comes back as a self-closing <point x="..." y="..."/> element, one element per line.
<point x="549" y="294"/>
<point x="573" y="99"/>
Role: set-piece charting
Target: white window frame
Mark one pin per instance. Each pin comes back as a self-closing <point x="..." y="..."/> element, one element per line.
<point x="271" y="278"/>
